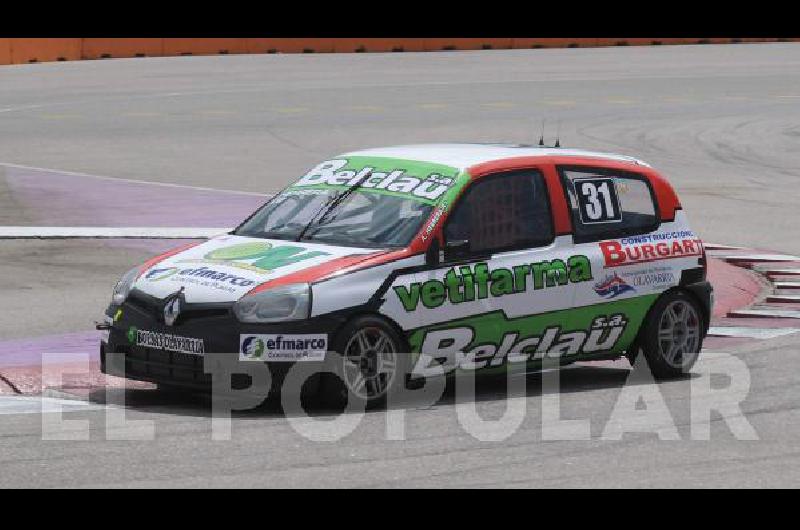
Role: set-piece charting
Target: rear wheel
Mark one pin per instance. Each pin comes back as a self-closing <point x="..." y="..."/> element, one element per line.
<point x="673" y="334"/>
<point x="372" y="364"/>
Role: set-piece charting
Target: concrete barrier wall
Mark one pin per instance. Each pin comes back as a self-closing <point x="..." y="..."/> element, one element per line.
<point x="34" y="50"/>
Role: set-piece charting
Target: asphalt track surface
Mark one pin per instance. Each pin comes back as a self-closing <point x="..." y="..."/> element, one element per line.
<point x="720" y="121"/>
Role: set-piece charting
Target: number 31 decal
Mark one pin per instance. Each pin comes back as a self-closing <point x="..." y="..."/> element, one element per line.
<point x="598" y="201"/>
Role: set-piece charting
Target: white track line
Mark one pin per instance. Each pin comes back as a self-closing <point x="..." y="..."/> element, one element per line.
<point x="765" y="313"/>
<point x="757" y="257"/>
<point x="777" y="268"/>
<point x="778" y="272"/>
<point x="103" y="232"/>
<point x="719" y="246"/>
<point x="778" y="298"/>
<point x="749" y="333"/>
<point x="786" y="285"/>
<point x="134" y="181"/>
<point x="42" y="405"/>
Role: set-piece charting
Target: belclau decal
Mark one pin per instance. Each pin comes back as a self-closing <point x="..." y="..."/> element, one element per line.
<point x="455" y="346"/>
<point x="332" y="173"/>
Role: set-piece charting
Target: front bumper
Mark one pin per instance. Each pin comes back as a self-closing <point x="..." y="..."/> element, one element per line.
<point x="214" y="324"/>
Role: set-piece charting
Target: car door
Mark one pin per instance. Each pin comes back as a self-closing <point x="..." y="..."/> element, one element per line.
<point x="504" y="287"/>
<point x="614" y="210"/>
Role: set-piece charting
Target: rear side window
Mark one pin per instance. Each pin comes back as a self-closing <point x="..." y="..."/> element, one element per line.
<point x="507" y="211"/>
<point x="608" y="204"/>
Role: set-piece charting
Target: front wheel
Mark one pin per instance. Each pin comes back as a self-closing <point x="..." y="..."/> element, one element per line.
<point x="372" y="363"/>
<point x="673" y="334"/>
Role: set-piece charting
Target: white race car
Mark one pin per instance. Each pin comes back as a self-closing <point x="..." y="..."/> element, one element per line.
<point x="428" y="260"/>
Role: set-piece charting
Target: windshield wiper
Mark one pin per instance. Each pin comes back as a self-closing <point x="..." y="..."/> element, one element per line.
<point x="314" y="217"/>
<point x="330" y="205"/>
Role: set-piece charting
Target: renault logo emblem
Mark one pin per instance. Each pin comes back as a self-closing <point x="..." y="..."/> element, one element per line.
<point x="172" y="309"/>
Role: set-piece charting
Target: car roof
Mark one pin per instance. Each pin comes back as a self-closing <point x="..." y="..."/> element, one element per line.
<point x="465" y="155"/>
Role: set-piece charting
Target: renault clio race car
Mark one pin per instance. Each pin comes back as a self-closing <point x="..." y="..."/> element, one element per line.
<point x="425" y="261"/>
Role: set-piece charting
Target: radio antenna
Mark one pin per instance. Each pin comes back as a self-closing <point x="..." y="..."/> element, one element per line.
<point x="558" y="134"/>
<point x="541" y="137"/>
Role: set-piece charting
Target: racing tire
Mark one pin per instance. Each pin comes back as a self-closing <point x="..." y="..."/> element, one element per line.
<point x="672" y="335"/>
<point x="372" y="364"/>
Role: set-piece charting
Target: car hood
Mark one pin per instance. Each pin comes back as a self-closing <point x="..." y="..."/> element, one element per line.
<point x="227" y="267"/>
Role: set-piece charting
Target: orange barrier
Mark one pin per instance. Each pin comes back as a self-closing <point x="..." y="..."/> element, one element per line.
<point x="5" y="51"/>
<point x="378" y="45"/>
<point x="20" y="50"/>
<point x="288" y="45"/>
<point x="118" y="48"/>
<point x="204" y="46"/>
<point x="467" y="44"/>
<point x="42" y="50"/>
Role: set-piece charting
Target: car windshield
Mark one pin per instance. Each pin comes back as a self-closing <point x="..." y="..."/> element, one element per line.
<point x="361" y="218"/>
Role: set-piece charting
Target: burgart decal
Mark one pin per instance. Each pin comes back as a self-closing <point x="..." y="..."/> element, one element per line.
<point x="633" y="250"/>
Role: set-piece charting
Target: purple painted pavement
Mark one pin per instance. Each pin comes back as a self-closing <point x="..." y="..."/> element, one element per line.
<point x="64" y="348"/>
<point x="51" y="198"/>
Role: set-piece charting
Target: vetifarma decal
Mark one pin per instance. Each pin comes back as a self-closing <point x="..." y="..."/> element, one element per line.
<point x="477" y="281"/>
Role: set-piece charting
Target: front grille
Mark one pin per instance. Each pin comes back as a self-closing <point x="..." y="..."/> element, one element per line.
<point x="146" y="305"/>
<point x="154" y="308"/>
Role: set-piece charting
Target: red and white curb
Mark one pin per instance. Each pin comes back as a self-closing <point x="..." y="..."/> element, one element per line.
<point x="774" y="307"/>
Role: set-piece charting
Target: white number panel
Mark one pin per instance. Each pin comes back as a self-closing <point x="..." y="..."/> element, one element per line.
<point x="597" y="200"/>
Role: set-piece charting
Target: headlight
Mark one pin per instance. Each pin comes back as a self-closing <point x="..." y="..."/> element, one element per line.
<point x="288" y="302"/>
<point x="124" y="286"/>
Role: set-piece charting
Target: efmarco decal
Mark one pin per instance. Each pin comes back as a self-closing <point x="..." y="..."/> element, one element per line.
<point x="477" y="281"/>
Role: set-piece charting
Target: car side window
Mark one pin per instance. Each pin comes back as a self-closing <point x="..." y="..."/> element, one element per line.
<point x="506" y="211"/>
<point x="607" y="204"/>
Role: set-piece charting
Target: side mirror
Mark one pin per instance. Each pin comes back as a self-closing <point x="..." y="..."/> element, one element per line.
<point x="456" y="249"/>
